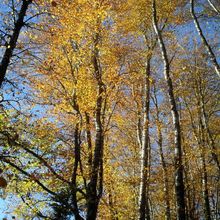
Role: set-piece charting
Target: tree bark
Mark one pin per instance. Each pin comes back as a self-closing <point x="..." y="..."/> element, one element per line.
<point x="94" y="189"/>
<point x="206" y="128"/>
<point x="179" y="184"/>
<point x="191" y="191"/>
<point x="163" y="162"/>
<point x="207" y="209"/>
<point x="200" y="138"/>
<point x="213" y="7"/>
<point x="144" y="212"/>
<point x="13" y="40"/>
<point x="202" y="143"/>
<point x="204" y="41"/>
<point x="89" y="141"/>
<point x="74" y="175"/>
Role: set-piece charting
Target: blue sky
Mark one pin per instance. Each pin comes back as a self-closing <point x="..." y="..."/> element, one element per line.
<point x="3" y="209"/>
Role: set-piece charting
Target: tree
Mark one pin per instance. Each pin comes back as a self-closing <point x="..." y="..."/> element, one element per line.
<point x="118" y="114"/>
<point x="203" y="38"/>
<point x="179" y="184"/>
<point x="13" y="38"/>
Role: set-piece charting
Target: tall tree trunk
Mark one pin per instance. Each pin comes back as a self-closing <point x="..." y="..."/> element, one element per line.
<point x="204" y="41"/>
<point x="191" y="204"/>
<point x="204" y="138"/>
<point x="94" y="189"/>
<point x="200" y="137"/>
<point x="163" y="162"/>
<point x="93" y="199"/>
<point x="206" y="128"/>
<point x="89" y="141"/>
<point x="74" y="175"/>
<point x="13" y="40"/>
<point x="207" y="209"/>
<point x="191" y="191"/>
<point x="144" y="211"/>
<point x="202" y="143"/>
<point x="217" y="204"/>
<point x="179" y="184"/>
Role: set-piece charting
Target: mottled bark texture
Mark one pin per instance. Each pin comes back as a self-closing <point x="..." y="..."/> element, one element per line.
<point x="179" y="183"/>
<point x="144" y="212"/>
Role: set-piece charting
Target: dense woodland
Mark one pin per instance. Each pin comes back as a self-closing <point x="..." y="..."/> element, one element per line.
<point x="109" y="109"/>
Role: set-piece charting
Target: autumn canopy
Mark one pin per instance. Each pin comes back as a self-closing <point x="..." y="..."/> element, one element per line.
<point x="109" y="109"/>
